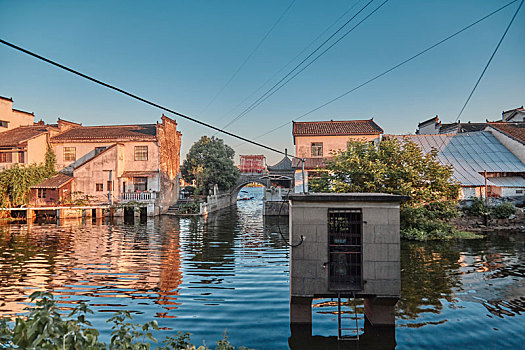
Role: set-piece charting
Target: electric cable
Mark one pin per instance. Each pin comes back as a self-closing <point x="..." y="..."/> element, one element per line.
<point x="299" y="64"/>
<point x="279" y="226"/>
<point x="269" y="94"/>
<point x="386" y="71"/>
<point x="129" y="94"/>
<point x="292" y="60"/>
<point x="250" y="55"/>
<point x="490" y="60"/>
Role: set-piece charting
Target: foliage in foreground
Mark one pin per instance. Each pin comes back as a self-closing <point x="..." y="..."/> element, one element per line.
<point x="46" y="328"/>
<point x="16" y="182"/>
<point x="402" y="168"/>
<point x="210" y="161"/>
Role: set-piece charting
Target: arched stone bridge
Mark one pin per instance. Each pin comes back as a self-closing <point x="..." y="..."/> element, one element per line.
<point x="245" y="179"/>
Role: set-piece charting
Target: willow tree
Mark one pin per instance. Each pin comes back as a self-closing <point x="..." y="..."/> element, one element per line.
<point x="16" y="182"/>
<point x="397" y="167"/>
<point x="209" y="162"/>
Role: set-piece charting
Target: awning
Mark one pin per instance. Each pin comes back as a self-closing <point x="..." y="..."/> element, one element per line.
<point x="130" y="174"/>
<point x="507" y="181"/>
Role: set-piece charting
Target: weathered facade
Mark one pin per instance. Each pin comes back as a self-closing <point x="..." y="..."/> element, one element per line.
<point x="322" y="138"/>
<point x="123" y="163"/>
<point x="52" y="192"/>
<point x="24" y="145"/>
<point x="316" y="142"/>
<point x="345" y="245"/>
<point x="11" y="118"/>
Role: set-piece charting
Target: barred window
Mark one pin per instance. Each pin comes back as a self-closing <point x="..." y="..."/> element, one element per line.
<point x="99" y="187"/>
<point x="70" y="154"/>
<point x="5" y="157"/>
<point x="317" y="149"/>
<point x="141" y="152"/>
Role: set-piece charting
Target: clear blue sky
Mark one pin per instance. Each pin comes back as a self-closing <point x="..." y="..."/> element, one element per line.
<point x="181" y="53"/>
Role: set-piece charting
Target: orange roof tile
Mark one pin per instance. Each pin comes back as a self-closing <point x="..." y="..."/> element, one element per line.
<point x="336" y="128"/>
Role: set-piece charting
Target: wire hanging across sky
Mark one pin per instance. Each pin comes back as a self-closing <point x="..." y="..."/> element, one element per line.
<point x="250" y="55"/>
<point x="277" y="88"/>
<point x="255" y="104"/>
<point x="292" y="60"/>
<point x="388" y="70"/>
<point x="129" y="94"/>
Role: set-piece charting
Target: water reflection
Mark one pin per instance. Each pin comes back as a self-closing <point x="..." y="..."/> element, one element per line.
<point x="231" y="272"/>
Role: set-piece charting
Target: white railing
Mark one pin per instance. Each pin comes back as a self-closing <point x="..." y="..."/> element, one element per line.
<point x="137" y="196"/>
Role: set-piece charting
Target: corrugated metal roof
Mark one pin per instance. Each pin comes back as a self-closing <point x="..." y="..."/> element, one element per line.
<point x="470" y="154"/>
<point x="509" y="181"/>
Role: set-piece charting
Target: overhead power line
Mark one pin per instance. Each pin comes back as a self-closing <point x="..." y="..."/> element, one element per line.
<point x="129" y="94"/>
<point x="263" y="39"/>
<point x="268" y="94"/>
<point x="292" y="60"/>
<point x="388" y="70"/>
<point x="249" y="108"/>
<point x="490" y="60"/>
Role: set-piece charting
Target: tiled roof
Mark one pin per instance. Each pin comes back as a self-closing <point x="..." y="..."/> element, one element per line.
<point x="284" y="164"/>
<point x="13" y="137"/>
<point x="429" y="121"/>
<point x="336" y="127"/>
<point x="513" y="130"/>
<point x="470" y="154"/>
<point x="55" y="181"/>
<point x="143" y="132"/>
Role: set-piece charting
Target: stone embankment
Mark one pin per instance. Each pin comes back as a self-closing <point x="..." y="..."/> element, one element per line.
<point x="477" y="224"/>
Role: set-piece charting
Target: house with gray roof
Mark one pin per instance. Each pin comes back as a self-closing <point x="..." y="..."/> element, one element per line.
<point x="472" y="155"/>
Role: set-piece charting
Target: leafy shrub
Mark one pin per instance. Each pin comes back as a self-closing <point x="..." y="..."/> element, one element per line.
<point x="430" y="222"/>
<point x="477" y="208"/>
<point x="189" y="208"/>
<point x="45" y="328"/>
<point x="503" y="210"/>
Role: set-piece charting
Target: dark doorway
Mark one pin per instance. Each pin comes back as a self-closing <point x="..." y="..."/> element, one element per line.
<point x="345" y="227"/>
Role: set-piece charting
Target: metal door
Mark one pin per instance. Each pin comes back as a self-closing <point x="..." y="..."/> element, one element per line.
<point x="345" y="227"/>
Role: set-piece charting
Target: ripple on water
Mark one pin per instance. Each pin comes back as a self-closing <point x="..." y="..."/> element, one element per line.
<point x="231" y="272"/>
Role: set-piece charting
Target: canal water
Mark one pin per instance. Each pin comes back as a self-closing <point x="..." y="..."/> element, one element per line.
<point x="230" y="273"/>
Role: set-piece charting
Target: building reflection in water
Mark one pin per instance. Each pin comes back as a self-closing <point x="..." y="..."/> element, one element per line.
<point x="90" y="260"/>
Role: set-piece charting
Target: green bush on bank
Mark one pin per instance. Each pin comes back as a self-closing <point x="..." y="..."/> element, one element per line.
<point x="46" y="328"/>
<point x="479" y="208"/>
<point x="431" y="222"/>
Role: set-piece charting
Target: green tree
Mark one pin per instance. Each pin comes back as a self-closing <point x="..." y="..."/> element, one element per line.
<point x="397" y="167"/>
<point x="209" y="162"/>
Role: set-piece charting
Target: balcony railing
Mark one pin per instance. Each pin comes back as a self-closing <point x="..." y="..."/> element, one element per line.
<point x="138" y="196"/>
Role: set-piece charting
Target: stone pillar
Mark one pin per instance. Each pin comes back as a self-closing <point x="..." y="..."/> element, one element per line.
<point x="380" y="310"/>
<point x="30" y="215"/>
<point x="99" y="213"/>
<point x="301" y="310"/>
